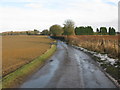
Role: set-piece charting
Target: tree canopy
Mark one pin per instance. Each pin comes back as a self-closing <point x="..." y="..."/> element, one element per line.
<point x="84" y="30"/>
<point x="112" y="31"/>
<point x="56" y="30"/>
<point x="103" y="30"/>
<point x="45" y="32"/>
<point x="69" y="27"/>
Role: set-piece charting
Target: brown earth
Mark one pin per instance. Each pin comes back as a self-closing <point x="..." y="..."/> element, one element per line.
<point x="21" y="49"/>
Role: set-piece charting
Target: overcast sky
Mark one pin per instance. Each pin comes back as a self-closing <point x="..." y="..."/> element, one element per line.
<point x="20" y="15"/>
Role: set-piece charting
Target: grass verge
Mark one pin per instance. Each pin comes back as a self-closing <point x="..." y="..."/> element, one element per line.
<point x="14" y="79"/>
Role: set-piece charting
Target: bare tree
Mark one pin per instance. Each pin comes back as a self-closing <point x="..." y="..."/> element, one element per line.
<point x="69" y="27"/>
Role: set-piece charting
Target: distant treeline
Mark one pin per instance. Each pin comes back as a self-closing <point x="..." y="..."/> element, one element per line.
<point x="70" y="29"/>
<point x="34" y="32"/>
<point x="88" y="30"/>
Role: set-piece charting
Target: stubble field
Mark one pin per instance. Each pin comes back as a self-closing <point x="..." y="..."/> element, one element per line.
<point x="20" y="50"/>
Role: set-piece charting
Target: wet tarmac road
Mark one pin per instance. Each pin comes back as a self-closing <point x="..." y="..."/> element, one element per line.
<point x="69" y="68"/>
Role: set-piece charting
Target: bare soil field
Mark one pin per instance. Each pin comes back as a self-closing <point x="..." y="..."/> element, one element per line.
<point x="22" y="49"/>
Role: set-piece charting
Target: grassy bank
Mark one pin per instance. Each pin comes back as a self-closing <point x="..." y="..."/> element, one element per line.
<point x="105" y="44"/>
<point x="14" y="79"/>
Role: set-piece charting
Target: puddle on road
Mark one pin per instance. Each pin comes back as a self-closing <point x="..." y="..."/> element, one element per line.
<point x="44" y="78"/>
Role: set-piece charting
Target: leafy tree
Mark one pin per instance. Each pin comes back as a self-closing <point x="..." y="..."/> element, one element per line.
<point x="89" y="30"/>
<point x="56" y="30"/>
<point x="80" y="30"/>
<point x="112" y="31"/>
<point x="84" y="30"/>
<point x="69" y="27"/>
<point x="103" y="30"/>
<point x="45" y="32"/>
<point x="97" y="30"/>
<point x="77" y="32"/>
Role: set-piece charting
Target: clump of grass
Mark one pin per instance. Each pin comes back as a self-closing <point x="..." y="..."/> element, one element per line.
<point x="114" y="72"/>
<point x="13" y="79"/>
<point x="104" y="65"/>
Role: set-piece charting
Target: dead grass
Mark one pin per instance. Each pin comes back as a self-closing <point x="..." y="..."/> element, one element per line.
<point x="100" y="43"/>
<point x="20" y="50"/>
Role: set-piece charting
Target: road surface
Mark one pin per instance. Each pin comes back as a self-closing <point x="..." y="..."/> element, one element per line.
<point x="69" y="68"/>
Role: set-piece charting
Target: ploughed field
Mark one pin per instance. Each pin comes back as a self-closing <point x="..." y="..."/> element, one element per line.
<point x="22" y="49"/>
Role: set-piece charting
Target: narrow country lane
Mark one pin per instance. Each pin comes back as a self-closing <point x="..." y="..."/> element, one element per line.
<point x="69" y="68"/>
